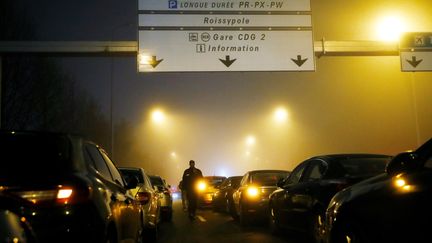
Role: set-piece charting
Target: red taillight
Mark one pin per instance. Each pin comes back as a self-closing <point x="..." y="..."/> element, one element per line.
<point x="143" y="197"/>
<point x="60" y="195"/>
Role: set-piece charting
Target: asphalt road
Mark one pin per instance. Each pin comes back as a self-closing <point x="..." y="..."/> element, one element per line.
<point x="215" y="227"/>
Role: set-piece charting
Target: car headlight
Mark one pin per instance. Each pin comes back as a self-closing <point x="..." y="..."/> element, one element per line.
<point x="252" y="192"/>
<point x="402" y="184"/>
<point x="201" y="186"/>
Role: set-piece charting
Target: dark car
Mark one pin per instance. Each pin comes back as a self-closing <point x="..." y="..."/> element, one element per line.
<point x="393" y="207"/>
<point x="149" y="199"/>
<point x="206" y="188"/>
<point x="222" y="198"/>
<point x="165" y="197"/>
<point x="251" y="198"/>
<point x="75" y="191"/>
<point x="14" y="228"/>
<point x="300" y="202"/>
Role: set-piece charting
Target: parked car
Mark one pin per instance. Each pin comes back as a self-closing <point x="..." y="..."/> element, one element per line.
<point x="222" y="198"/>
<point x="301" y="200"/>
<point x="13" y="227"/>
<point x="391" y="207"/>
<point x="251" y="198"/>
<point x="166" y="199"/>
<point x="76" y="192"/>
<point x="148" y="198"/>
<point x="207" y="187"/>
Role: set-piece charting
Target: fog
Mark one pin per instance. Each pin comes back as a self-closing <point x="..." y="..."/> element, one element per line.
<point x="348" y="105"/>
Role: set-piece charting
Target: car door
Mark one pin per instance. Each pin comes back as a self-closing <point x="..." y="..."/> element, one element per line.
<point x="237" y="194"/>
<point x="281" y="199"/>
<point x="304" y="194"/>
<point x="119" y="205"/>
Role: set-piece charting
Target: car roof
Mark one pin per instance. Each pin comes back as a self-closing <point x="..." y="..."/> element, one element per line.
<point x="350" y="155"/>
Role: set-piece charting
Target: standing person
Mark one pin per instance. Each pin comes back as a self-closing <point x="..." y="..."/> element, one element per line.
<point x="190" y="179"/>
<point x="183" y="195"/>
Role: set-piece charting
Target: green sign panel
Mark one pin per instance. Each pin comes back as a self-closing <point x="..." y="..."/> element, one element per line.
<point x="416" y="40"/>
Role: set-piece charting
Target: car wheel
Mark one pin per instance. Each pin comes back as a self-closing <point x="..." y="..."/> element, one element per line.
<point x="111" y="235"/>
<point x="316" y="230"/>
<point x="273" y="222"/>
<point x="150" y="235"/>
<point x="227" y="206"/>
<point x="350" y="233"/>
<point x="243" y="216"/>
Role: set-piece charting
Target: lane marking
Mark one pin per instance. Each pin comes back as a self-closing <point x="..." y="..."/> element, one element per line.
<point x="201" y="218"/>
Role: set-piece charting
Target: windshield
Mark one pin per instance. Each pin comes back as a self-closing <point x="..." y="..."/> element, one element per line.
<point x="364" y="166"/>
<point x="215" y="180"/>
<point x="268" y="178"/>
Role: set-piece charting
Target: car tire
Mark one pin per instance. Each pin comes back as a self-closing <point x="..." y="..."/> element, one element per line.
<point x="350" y="232"/>
<point x="316" y="228"/>
<point x="273" y="223"/>
<point x="111" y="235"/>
<point x="243" y="216"/>
<point x="150" y="235"/>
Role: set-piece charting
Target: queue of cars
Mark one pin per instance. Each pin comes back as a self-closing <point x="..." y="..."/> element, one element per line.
<point x="66" y="189"/>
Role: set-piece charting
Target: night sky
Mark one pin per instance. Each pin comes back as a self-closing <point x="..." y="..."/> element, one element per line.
<point x="349" y="104"/>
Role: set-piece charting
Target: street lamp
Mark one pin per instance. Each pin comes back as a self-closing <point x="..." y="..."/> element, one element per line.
<point x="389" y="28"/>
<point x="280" y="114"/>
<point x="250" y="140"/>
<point x="158" y="116"/>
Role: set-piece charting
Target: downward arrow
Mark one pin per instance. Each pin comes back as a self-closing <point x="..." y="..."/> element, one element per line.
<point x="227" y="61"/>
<point x="299" y="61"/>
<point x="414" y="61"/>
<point x="153" y="62"/>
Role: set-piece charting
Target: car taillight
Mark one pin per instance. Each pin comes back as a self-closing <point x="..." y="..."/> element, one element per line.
<point x="143" y="197"/>
<point x="60" y="195"/>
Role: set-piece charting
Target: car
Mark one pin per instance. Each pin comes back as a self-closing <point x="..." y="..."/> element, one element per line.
<point x="392" y="207"/>
<point x="301" y="200"/>
<point x="166" y="199"/>
<point x="207" y="186"/>
<point x="14" y="228"/>
<point x="251" y="198"/>
<point x="76" y="192"/>
<point x="148" y="197"/>
<point x="222" y="198"/>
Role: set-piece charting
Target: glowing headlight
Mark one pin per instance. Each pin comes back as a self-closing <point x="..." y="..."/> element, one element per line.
<point x="401" y="184"/>
<point x="252" y="191"/>
<point x="201" y="186"/>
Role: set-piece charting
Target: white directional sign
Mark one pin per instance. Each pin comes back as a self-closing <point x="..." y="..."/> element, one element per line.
<point x="212" y="35"/>
<point x="185" y="51"/>
<point x="224" y="5"/>
<point x="416" y="52"/>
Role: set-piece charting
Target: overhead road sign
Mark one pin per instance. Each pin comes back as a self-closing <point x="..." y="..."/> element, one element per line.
<point x="416" y="51"/>
<point x="224" y="5"/>
<point x="227" y="20"/>
<point x="225" y="35"/>
<point x="195" y="51"/>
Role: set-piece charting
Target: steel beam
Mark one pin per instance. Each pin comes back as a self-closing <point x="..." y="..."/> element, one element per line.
<point x="109" y="48"/>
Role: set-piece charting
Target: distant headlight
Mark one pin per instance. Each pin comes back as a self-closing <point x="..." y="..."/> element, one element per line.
<point x="201" y="186"/>
<point x="252" y="192"/>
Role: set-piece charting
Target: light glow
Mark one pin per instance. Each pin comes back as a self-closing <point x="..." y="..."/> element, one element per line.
<point x="158" y="116"/>
<point x="390" y="28"/>
<point x="280" y="114"/>
<point x="252" y="191"/>
<point x="64" y="193"/>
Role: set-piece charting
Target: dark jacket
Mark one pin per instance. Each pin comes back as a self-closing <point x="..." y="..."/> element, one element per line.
<point x="190" y="177"/>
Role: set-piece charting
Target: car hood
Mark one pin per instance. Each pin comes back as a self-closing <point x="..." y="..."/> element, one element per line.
<point x="371" y="185"/>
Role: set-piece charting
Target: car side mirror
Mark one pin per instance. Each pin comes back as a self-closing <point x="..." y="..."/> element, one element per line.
<point x="280" y="182"/>
<point x="402" y="162"/>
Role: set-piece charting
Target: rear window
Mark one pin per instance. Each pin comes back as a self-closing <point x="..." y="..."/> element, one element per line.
<point x="364" y="166"/>
<point x="268" y="178"/>
<point x="215" y="181"/>
<point x="127" y="174"/>
<point x="156" y="181"/>
<point x="33" y="154"/>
